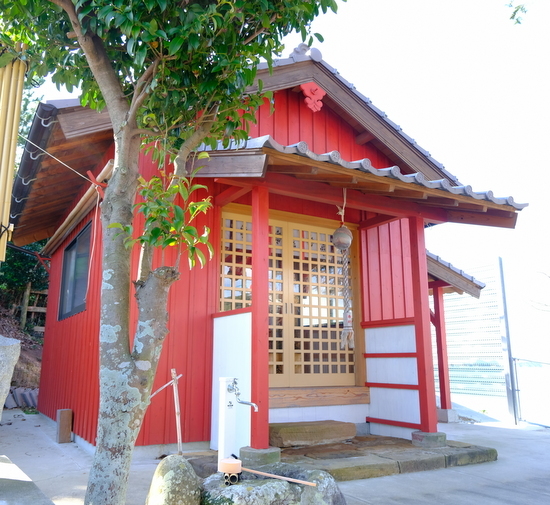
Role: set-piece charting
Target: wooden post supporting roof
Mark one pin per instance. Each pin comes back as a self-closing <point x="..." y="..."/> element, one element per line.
<point x="260" y="326"/>
<point x="441" y="339"/>
<point x="428" y="411"/>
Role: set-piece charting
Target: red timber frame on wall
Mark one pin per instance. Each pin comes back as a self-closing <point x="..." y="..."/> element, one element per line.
<point x="438" y="320"/>
<point x="260" y="303"/>
<point x="424" y="357"/>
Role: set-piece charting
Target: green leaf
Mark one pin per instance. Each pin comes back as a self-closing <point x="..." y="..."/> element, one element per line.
<point x="175" y="45"/>
<point x="140" y="55"/>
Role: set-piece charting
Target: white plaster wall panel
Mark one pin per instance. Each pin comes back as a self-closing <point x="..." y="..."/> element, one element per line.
<point x="390" y="339"/>
<point x="392" y="370"/>
<point x="346" y="413"/>
<point x="385" y="430"/>
<point x="232" y="357"/>
<point x="395" y="404"/>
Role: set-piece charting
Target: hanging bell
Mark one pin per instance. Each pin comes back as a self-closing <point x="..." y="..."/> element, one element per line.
<point x="342" y="238"/>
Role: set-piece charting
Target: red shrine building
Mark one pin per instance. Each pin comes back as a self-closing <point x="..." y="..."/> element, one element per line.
<point x="270" y="307"/>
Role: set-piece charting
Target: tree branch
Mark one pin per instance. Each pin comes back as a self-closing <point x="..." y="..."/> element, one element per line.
<point x="260" y="31"/>
<point x="141" y="93"/>
<point x="191" y="143"/>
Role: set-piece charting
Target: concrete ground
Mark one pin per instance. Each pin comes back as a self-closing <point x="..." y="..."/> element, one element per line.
<point x="520" y="476"/>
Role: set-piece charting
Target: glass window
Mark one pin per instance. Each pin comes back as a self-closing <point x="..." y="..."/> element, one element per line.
<point x="74" y="280"/>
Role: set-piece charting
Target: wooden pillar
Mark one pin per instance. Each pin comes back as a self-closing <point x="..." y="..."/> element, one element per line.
<point x="260" y="326"/>
<point x="441" y="339"/>
<point x="426" y="385"/>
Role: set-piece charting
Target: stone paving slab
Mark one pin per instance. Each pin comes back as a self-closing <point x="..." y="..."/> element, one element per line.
<point x="368" y="457"/>
<point x="16" y="488"/>
<point x="362" y="467"/>
<point x="374" y="456"/>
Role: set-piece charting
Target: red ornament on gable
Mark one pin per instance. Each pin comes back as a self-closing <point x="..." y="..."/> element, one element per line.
<point x="313" y="95"/>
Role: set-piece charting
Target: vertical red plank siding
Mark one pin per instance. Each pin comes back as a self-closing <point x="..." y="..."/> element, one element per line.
<point x="386" y="291"/>
<point x="365" y="275"/>
<point x="280" y="130"/>
<point x="397" y="273"/>
<point x="188" y="349"/>
<point x="373" y="265"/>
<point x="424" y="357"/>
<point x="292" y="122"/>
<point x="407" y="268"/>
<point x="386" y="272"/>
<point x="69" y="377"/>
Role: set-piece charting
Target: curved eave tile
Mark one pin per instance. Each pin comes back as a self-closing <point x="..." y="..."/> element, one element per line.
<point x="365" y="165"/>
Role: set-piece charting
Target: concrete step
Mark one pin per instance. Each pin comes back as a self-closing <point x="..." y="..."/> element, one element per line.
<point x="310" y="433"/>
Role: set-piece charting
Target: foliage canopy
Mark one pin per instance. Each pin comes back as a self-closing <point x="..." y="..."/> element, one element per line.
<point x="179" y="58"/>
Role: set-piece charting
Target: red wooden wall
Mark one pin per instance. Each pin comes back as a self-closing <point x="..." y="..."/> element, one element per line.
<point x="386" y="272"/>
<point x="324" y="131"/>
<point x="69" y="376"/>
<point x="70" y="363"/>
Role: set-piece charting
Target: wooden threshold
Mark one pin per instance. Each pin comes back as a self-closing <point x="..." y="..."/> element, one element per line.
<point x="318" y="396"/>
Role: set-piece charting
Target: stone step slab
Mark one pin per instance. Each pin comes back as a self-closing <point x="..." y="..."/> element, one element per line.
<point x="310" y="433"/>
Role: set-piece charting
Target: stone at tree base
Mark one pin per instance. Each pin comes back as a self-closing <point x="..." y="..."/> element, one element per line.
<point x="259" y="490"/>
<point x="10" y="348"/>
<point x="174" y="483"/>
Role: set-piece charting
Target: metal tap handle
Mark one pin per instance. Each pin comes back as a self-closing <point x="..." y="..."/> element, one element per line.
<point x="233" y="388"/>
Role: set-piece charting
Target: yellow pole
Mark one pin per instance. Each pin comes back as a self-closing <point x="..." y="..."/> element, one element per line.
<point x="11" y="93"/>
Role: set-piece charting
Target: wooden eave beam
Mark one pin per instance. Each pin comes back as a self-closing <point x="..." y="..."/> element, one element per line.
<point x="292" y="169"/>
<point x="483" y="219"/>
<point x="323" y="193"/>
<point x="410" y="194"/>
<point x="332" y="179"/>
<point x="381" y="188"/>
<point x="378" y="220"/>
<point x="230" y="195"/>
<point x="29" y="238"/>
<point x="364" y="138"/>
<point x="249" y="163"/>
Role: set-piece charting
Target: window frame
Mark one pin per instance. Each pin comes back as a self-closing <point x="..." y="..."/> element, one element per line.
<point x="75" y="277"/>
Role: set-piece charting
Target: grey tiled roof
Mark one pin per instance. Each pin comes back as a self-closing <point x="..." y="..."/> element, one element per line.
<point x="462" y="273"/>
<point x="365" y="166"/>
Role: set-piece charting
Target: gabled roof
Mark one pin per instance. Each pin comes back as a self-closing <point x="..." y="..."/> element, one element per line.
<point x="416" y="183"/>
<point x="371" y="124"/>
<point x="44" y="188"/>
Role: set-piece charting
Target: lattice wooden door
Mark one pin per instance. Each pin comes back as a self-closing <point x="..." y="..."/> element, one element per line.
<point x="306" y="301"/>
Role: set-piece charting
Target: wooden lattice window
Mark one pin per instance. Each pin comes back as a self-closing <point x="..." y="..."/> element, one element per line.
<point x="236" y="267"/>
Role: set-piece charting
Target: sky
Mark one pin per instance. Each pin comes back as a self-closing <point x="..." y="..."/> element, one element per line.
<point x="472" y="88"/>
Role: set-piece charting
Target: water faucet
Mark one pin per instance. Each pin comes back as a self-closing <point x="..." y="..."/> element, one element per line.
<point x="232" y="388"/>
